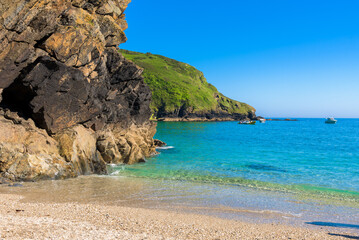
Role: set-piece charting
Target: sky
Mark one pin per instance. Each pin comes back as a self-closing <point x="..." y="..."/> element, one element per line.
<point x="286" y="58"/>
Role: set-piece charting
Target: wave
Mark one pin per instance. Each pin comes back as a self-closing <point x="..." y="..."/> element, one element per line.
<point x="165" y="148"/>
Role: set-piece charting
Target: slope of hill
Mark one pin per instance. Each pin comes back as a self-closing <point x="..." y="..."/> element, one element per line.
<point x="181" y="92"/>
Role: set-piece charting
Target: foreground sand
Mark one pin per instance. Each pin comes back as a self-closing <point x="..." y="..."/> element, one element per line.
<point x="20" y="220"/>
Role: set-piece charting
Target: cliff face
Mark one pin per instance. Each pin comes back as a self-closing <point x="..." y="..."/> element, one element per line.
<point x="182" y="93"/>
<point x="63" y="78"/>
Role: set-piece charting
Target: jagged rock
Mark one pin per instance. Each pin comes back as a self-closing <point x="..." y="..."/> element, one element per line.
<point x="107" y="145"/>
<point x="136" y="143"/>
<point x="61" y="71"/>
<point x="3" y="181"/>
<point x="69" y="72"/>
<point x="159" y="143"/>
<point x="28" y="153"/>
<point x="78" y="146"/>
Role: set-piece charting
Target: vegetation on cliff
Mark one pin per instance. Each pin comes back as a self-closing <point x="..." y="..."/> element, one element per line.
<point x="180" y="90"/>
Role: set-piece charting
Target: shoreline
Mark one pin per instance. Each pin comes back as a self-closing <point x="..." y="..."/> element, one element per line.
<point x="23" y="217"/>
<point x="92" y="221"/>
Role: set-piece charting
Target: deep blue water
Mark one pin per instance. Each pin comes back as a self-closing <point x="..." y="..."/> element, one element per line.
<point x="307" y="157"/>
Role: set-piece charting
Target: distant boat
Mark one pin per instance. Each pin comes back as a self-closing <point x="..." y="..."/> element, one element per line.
<point x="262" y="120"/>
<point x="331" y="120"/>
<point x="247" y="122"/>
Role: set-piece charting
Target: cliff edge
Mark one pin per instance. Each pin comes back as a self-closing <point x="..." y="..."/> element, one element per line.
<point x="70" y="103"/>
<point x="182" y="93"/>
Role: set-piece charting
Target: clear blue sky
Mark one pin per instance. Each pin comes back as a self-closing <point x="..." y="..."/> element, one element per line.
<point x="287" y="58"/>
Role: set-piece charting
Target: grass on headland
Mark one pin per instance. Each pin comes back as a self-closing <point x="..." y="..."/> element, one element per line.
<point x="176" y="85"/>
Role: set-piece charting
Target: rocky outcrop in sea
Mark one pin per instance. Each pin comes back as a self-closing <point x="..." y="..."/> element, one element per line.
<point x="70" y="103"/>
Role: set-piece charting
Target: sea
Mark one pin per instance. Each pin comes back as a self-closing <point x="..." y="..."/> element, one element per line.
<point x="301" y="172"/>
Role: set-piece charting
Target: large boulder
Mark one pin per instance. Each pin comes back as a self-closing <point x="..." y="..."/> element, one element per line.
<point x="128" y="146"/>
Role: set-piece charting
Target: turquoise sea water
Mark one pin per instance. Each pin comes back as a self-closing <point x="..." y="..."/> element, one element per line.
<point x="307" y="157"/>
<point x="303" y="172"/>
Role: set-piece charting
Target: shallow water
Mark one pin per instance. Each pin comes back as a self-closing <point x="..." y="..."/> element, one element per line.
<point x="304" y="169"/>
<point x="306" y="157"/>
<point x="225" y="201"/>
<point x="303" y="172"/>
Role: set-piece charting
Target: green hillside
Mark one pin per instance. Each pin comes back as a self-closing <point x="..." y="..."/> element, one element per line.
<point x="179" y="89"/>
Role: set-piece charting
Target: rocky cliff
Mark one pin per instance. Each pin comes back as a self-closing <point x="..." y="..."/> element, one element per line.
<point x="70" y="103"/>
<point x="182" y="93"/>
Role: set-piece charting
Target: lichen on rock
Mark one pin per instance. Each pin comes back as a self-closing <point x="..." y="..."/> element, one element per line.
<point x="62" y="75"/>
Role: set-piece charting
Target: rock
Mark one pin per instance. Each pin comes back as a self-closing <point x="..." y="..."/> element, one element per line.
<point x="118" y="145"/>
<point x="78" y="146"/>
<point x="107" y="145"/>
<point x="279" y="120"/>
<point x="4" y="181"/>
<point x="74" y="103"/>
<point x="135" y="144"/>
<point x="159" y="143"/>
<point x="28" y="153"/>
<point x="69" y="43"/>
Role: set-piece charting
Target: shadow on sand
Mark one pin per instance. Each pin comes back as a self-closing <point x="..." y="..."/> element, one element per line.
<point x="337" y="225"/>
<point x="331" y="224"/>
<point x="343" y="235"/>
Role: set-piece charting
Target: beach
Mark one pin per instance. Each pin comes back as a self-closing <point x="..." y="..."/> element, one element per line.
<point x="252" y="183"/>
<point x="214" y="121"/>
<point x="38" y="220"/>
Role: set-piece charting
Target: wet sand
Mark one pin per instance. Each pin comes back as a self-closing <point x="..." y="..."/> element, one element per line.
<point x="49" y="220"/>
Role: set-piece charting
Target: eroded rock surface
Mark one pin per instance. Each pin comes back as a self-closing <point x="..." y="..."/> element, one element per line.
<point x="27" y="152"/>
<point x="62" y="73"/>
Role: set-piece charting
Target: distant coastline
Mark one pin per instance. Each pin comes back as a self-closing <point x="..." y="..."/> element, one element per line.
<point x="281" y="119"/>
<point x="180" y="92"/>
<point x="222" y="119"/>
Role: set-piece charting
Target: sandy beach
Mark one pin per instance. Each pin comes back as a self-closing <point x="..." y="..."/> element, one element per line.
<point x="22" y="220"/>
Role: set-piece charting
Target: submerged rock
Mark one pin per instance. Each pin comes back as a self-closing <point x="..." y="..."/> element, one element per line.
<point x="73" y="102"/>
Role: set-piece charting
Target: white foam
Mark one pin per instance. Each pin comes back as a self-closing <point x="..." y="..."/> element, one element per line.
<point x="115" y="173"/>
<point x="165" y="148"/>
